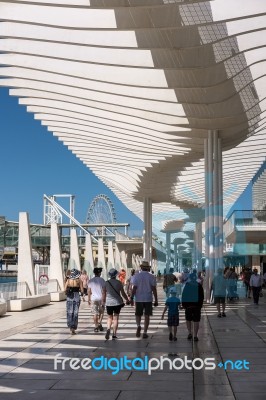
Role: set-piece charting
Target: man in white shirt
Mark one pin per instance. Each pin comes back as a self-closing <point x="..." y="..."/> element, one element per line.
<point x="96" y="298"/>
<point x="144" y="286"/>
<point x="255" y="284"/>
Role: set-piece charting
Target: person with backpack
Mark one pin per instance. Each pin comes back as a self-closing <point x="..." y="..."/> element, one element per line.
<point x="73" y="286"/>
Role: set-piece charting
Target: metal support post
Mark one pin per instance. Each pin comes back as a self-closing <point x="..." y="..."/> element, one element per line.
<point x="147" y="233"/>
<point x="168" y="252"/>
<point x="207" y="259"/>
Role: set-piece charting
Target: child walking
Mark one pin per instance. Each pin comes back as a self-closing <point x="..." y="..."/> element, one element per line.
<point x="172" y="305"/>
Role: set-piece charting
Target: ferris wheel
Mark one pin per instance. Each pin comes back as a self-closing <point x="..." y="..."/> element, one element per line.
<point x="101" y="211"/>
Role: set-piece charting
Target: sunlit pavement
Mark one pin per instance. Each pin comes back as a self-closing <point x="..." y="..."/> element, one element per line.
<point x="30" y="340"/>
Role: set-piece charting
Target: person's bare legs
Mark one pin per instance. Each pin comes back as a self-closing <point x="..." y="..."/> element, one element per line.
<point x="115" y="323"/>
<point x="195" y="329"/>
<point x="146" y="323"/>
<point x="138" y="320"/>
<point x="189" y="326"/>
<point x="100" y="318"/>
<point x="175" y="330"/>
<point x="218" y="306"/>
<point x="109" y="321"/>
<point x="96" y="319"/>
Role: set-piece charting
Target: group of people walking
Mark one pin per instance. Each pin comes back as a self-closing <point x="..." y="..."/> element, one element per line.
<point x="189" y="289"/>
<point x="140" y="290"/>
<point x="225" y="285"/>
<point x="110" y="295"/>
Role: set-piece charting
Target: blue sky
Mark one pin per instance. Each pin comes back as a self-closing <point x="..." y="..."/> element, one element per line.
<point x="33" y="163"/>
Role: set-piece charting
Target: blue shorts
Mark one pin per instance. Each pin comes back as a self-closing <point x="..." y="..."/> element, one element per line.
<point x="173" y="320"/>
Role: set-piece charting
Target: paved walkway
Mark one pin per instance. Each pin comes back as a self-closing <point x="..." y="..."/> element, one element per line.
<point x="30" y="340"/>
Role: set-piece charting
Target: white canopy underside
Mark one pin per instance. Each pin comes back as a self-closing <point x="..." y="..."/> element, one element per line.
<point x="132" y="88"/>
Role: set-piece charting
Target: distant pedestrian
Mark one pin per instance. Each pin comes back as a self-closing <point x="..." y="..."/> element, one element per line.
<point x="144" y="287"/>
<point x="113" y="293"/>
<point x="200" y="278"/>
<point x="219" y="292"/>
<point x="96" y="295"/>
<point x="192" y="302"/>
<point x="122" y="276"/>
<point x="85" y="280"/>
<point x="73" y="286"/>
<point x="246" y="279"/>
<point x="185" y="276"/>
<point x="129" y="285"/>
<point x="169" y="281"/>
<point x="172" y="305"/>
<point x="256" y="284"/>
<point x="232" y="278"/>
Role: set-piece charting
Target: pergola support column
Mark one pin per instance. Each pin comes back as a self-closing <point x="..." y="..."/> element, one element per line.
<point x="147" y="232"/>
<point x="198" y="245"/>
<point x="213" y="207"/>
<point x="168" y="252"/>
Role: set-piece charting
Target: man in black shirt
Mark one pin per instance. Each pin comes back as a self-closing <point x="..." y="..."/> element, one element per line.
<point x="192" y="302"/>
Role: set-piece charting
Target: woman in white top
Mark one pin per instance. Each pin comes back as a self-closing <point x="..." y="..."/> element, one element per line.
<point x="114" y="302"/>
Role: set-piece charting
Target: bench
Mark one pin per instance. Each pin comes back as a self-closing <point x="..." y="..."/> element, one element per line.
<point x="3" y="307"/>
<point x="28" y="302"/>
<point x="58" y="296"/>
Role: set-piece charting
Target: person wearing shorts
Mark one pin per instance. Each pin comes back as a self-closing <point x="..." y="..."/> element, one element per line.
<point x="96" y="298"/>
<point x="192" y="302"/>
<point x="85" y="280"/>
<point x="219" y="292"/>
<point x="112" y="296"/>
<point x="144" y="286"/>
<point x="172" y="305"/>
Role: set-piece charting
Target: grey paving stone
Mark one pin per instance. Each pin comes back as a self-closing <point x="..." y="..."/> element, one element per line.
<point x="167" y="395"/>
<point x="249" y="387"/>
<point x="242" y="377"/>
<point x="210" y="378"/>
<point x="59" y="395"/>
<point x="161" y="376"/>
<point x="247" y="396"/>
<point x="213" y="390"/>
<point x="158" y="386"/>
<point x="214" y="397"/>
<point x="21" y="384"/>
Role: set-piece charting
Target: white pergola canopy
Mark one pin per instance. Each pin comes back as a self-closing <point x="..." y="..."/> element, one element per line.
<point x="132" y="88"/>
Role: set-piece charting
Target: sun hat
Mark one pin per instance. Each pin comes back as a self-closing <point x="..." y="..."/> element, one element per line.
<point x="113" y="272"/>
<point x="74" y="274"/>
<point x="145" y="264"/>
